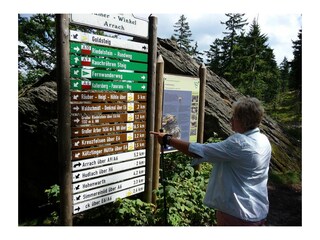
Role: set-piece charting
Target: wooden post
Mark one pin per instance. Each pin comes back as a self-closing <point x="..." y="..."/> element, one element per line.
<point x="202" y="77"/>
<point x="152" y="56"/>
<point x="64" y="119"/>
<point x="158" y="124"/>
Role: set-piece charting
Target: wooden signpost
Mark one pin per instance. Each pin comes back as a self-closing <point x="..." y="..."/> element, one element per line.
<point x="106" y="84"/>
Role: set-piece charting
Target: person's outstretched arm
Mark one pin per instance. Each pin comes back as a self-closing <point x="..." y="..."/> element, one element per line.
<point x="181" y="145"/>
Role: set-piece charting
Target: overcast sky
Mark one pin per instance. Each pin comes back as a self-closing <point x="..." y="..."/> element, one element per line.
<point x="281" y="29"/>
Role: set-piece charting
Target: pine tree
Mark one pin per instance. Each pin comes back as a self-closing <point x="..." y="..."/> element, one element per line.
<point x="215" y="56"/>
<point x="284" y="74"/>
<point x="245" y="59"/>
<point x="183" y="34"/>
<point x="195" y="54"/>
<point x="234" y="25"/>
<point x="221" y="53"/>
<point x="260" y="75"/>
<point x="296" y="65"/>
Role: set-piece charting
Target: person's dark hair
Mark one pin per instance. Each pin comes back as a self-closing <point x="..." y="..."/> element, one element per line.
<point x="249" y="112"/>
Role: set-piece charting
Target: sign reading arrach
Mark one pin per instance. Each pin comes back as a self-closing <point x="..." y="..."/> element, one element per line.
<point x="120" y="23"/>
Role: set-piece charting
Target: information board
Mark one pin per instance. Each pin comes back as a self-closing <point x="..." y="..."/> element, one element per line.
<point x="181" y="106"/>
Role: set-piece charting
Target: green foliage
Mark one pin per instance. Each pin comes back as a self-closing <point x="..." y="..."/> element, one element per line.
<point x="51" y="218"/>
<point x="135" y="212"/>
<point x="129" y="212"/>
<point x="185" y="190"/>
<point x="222" y="53"/>
<point x="284" y="74"/>
<point x="287" y="111"/>
<point x="36" y="47"/>
<point x="215" y="138"/>
<point x="53" y="194"/>
<point x="285" y="178"/>
<point x="296" y="64"/>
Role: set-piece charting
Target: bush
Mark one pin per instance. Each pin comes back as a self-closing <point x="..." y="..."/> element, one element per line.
<point x="185" y="190"/>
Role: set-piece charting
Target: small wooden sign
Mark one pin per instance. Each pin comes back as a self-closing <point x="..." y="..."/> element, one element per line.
<point x="106" y="150"/>
<point x="107" y="118"/>
<point x="107" y="96"/>
<point x="107" y="128"/>
<point x="108" y="107"/>
<point x="105" y="139"/>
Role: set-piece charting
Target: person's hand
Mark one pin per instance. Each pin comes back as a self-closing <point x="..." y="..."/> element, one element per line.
<point x="159" y="136"/>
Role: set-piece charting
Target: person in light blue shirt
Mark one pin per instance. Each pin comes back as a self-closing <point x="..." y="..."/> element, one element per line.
<point x="237" y="187"/>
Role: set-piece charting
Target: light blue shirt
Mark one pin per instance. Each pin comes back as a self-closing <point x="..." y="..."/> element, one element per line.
<point x="238" y="181"/>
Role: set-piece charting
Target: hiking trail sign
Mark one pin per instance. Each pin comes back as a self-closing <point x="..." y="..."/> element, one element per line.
<point x="120" y="23"/>
<point x="106" y="107"/>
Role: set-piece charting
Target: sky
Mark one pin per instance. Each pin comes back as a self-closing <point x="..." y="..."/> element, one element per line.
<point x="281" y="29"/>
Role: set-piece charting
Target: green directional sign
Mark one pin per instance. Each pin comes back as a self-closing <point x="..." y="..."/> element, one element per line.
<point x="107" y="63"/>
<point x="107" y="86"/>
<point x="107" y="75"/>
<point x="93" y="50"/>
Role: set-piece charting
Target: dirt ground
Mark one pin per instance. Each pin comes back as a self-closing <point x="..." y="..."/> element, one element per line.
<point x="285" y="205"/>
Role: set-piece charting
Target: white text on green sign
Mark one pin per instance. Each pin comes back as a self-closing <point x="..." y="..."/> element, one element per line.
<point x="107" y="63"/>
<point x="107" y="86"/>
<point x="94" y="50"/>
<point x="107" y="75"/>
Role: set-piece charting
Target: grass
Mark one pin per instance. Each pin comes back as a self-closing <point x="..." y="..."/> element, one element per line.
<point x="287" y="178"/>
<point x="286" y="110"/>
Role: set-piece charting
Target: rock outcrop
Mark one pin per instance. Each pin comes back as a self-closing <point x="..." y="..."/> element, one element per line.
<point x="38" y="155"/>
<point x="38" y="163"/>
